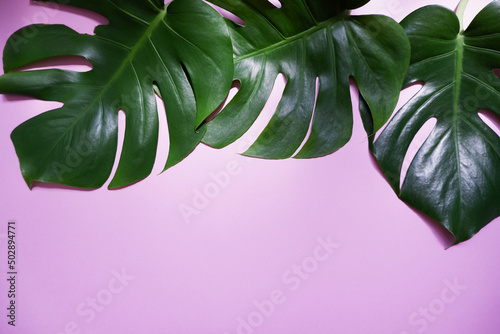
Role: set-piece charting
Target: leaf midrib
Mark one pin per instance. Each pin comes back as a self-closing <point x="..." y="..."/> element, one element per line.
<point x="288" y="40"/>
<point x="145" y="38"/>
<point x="458" y="84"/>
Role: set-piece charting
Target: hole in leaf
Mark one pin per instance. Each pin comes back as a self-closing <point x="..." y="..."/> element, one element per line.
<point x="406" y="95"/>
<point x="417" y="142"/>
<point x="235" y="87"/>
<point x="312" y="118"/>
<point x="156" y="89"/>
<point x="275" y="3"/>
<point x="186" y="72"/>
<point x="354" y="95"/>
<point x="265" y="115"/>
<point x="491" y="119"/>
<point x="496" y="71"/>
<point x="163" y="138"/>
<point x="228" y="14"/>
<point x="122" y="121"/>
<point x="72" y="63"/>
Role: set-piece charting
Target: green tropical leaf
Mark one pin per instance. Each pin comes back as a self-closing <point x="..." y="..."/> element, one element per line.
<point x="309" y="41"/>
<point x="455" y="175"/>
<point x="182" y="48"/>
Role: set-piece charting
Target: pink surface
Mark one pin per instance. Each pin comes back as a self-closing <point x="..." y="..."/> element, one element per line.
<point x="277" y="247"/>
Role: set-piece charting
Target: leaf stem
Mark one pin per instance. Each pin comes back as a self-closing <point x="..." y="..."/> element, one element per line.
<point x="460" y="13"/>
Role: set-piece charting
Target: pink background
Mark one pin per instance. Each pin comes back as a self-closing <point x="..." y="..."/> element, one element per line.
<point x="229" y="267"/>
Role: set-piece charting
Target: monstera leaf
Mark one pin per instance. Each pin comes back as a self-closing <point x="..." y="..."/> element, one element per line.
<point x="313" y="43"/>
<point x="455" y="176"/>
<point x="182" y="48"/>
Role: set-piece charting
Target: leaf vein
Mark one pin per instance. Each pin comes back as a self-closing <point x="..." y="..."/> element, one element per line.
<point x="443" y="55"/>
<point x="138" y="19"/>
<point x="191" y="43"/>
<point x="481" y="134"/>
<point x="482" y="83"/>
<point x="482" y="49"/>
<point x="141" y="91"/>
<point x="176" y="91"/>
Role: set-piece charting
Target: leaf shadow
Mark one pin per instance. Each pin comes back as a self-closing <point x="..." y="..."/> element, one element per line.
<point x="15" y="98"/>
<point x="45" y="185"/>
<point x="98" y="18"/>
<point x="125" y="186"/>
<point x="57" y="62"/>
<point x="445" y="237"/>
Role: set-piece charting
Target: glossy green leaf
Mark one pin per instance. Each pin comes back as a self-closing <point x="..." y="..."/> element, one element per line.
<point x="182" y="48"/>
<point x="310" y="42"/>
<point x="455" y="176"/>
